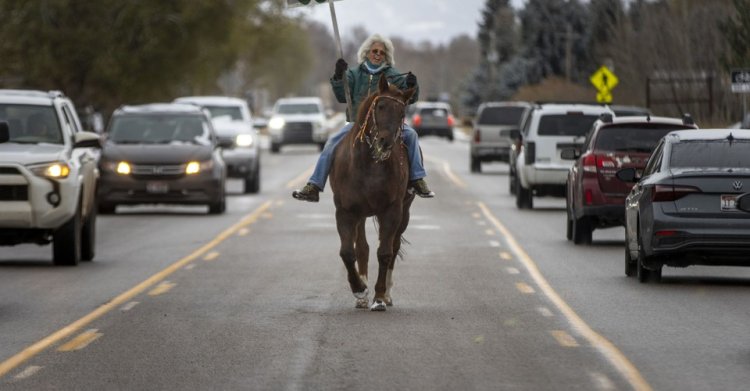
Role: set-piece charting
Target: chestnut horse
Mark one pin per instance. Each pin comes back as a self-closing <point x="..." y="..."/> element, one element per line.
<point x="369" y="177"/>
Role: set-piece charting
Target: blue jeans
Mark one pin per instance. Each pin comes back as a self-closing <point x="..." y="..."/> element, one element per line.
<point x="323" y="166"/>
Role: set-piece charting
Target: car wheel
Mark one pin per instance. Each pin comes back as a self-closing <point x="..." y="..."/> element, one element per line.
<point x="512" y="182"/>
<point x="646" y="275"/>
<point x="252" y="182"/>
<point x="66" y="241"/>
<point x="88" y="236"/>
<point x="476" y="165"/>
<point x="524" y="198"/>
<point x="275" y="147"/>
<point x="106" y="208"/>
<point x="568" y="226"/>
<point x="218" y="207"/>
<point x="630" y="264"/>
<point x="450" y="137"/>
<point x="582" y="230"/>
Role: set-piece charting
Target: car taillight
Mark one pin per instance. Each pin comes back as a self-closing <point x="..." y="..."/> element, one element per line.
<point x="416" y="120"/>
<point x="663" y="193"/>
<point x="588" y="162"/>
<point x="477" y="136"/>
<point x="451" y="121"/>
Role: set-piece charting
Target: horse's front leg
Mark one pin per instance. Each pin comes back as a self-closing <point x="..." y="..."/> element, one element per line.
<point x="362" y="253"/>
<point x="389" y="224"/>
<point x="346" y="224"/>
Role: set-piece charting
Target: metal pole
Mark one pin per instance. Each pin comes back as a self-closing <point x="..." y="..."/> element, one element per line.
<point x="347" y="93"/>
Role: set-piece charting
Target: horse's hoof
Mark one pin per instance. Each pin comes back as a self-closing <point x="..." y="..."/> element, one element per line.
<point x="377" y="305"/>
<point x="362" y="295"/>
<point x="389" y="302"/>
<point x="361" y="303"/>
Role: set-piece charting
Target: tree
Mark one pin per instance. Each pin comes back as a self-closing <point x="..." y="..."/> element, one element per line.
<point x="736" y="30"/>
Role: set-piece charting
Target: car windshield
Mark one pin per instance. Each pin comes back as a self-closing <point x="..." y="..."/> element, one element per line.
<point x="298" y="108"/>
<point x="30" y="124"/>
<point x="159" y="129"/>
<point x="716" y="154"/>
<point x="632" y="138"/>
<point x="565" y="124"/>
<point x="501" y="116"/>
<point x="232" y="112"/>
<point x="434" y="111"/>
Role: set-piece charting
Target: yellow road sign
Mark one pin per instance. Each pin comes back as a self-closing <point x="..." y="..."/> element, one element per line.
<point x="604" y="97"/>
<point x="603" y="79"/>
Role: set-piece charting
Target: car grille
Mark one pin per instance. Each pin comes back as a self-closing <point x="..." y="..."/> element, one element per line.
<point x="298" y="132"/>
<point x="148" y="171"/>
<point x="9" y="171"/>
<point x="14" y="193"/>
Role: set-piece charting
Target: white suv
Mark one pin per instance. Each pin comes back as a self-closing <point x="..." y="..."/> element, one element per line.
<point x="548" y="129"/>
<point x="240" y="141"/>
<point x="298" y="121"/>
<point x="48" y="175"/>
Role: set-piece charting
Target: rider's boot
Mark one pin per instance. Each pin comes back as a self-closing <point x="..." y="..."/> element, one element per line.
<point x="420" y="188"/>
<point x="307" y="193"/>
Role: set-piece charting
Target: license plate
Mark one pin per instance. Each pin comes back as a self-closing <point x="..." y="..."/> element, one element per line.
<point x="157" y="187"/>
<point x="728" y="202"/>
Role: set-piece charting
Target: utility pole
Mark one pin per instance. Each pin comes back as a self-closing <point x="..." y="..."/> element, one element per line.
<point x="568" y="51"/>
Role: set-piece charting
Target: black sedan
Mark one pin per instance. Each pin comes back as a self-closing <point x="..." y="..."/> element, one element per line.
<point x="161" y="154"/>
<point x="691" y="205"/>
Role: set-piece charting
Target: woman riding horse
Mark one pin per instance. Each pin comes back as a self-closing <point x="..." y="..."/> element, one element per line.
<point x="376" y="56"/>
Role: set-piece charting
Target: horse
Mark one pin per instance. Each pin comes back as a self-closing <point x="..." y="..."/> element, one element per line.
<point x="369" y="178"/>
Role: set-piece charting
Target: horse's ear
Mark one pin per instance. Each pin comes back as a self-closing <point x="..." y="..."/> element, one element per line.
<point x="383" y="83"/>
<point x="408" y="93"/>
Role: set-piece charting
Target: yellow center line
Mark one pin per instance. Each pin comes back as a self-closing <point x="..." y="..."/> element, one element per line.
<point x="607" y="348"/>
<point x="80" y="341"/>
<point x="163" y="287"/>
<point x="211" y="256"/>
<point x="564" y="339"/>
<point x="43" y="344"/>
<point x="448" y="172"/>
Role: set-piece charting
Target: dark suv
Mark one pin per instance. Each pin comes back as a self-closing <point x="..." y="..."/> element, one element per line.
<point x="595" y="198"/>
<point x="161" y="154"/>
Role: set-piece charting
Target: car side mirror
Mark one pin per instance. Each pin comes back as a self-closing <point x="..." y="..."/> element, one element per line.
<point x="87" y="140"/>
<point x="743" y="202"/>
<point x="4" y="132"/>
<point x="628" y="175"/>
<point x="569" y="154"/>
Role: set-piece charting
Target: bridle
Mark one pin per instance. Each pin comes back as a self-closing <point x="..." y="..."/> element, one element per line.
<point x="376" y="150"/>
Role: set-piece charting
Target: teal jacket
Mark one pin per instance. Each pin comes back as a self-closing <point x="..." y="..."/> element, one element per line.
<point x="362" y="84"/>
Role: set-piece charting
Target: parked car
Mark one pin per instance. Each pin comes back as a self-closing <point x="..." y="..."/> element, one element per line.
<point x="595" y="198"/>
<point x="550" y="128"/>
<point x="496" y="127"/>
<point x="691" y="204"/>
<point x="233" y="124"/>
<point x="431" y="119"/>
<point x="298" y="120"/>
<point x="162" y="154"/>
<point x="48" y="175"/>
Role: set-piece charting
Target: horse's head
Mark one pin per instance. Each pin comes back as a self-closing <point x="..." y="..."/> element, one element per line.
<point x="382" y="118"/>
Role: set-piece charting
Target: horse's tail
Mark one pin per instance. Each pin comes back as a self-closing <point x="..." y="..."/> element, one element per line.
<point x="401" y="251"/>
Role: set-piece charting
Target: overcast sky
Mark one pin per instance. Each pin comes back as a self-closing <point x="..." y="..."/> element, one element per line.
<point x="437" y="21"/>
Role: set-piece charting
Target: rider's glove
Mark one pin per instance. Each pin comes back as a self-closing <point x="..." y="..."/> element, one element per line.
<point x="411" y="80"/>
<point x="341" y="66"/>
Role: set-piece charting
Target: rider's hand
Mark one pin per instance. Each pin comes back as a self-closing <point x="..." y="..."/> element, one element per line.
<point x="411" y="80"/>
<point x="341" y="66"/>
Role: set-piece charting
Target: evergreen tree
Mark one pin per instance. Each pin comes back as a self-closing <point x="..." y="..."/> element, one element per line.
<point x="736" y="30"/>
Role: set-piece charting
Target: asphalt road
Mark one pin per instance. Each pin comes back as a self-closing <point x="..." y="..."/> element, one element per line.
<point x="486" y="297"/>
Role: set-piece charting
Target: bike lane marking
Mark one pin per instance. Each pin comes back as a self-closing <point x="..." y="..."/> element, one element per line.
<point x="45" y="343"/>
<point x="621" y="363"/>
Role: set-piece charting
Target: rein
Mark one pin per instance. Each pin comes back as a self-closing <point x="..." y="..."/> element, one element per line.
<point x="376" y="152"/>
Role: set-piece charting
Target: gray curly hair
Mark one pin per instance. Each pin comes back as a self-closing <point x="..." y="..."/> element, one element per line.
<point x="365" y="48"/>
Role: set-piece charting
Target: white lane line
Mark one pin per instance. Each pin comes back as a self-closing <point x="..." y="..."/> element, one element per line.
<point x="129" y="306"/>
<point x="524" y="288"/>
<point x="190" y="266"/>
<point x="28" y="372"/>
<point x="504" y="255"/>
<point x="512" y="270"/>
<point x="544" y="311"/>
<point x="601" y="381"/>
<point x="494" y="243"/>
<point x="607" y="348"/>
<point x="564" y="339"/>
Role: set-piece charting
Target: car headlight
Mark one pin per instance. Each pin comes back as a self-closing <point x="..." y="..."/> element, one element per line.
<point x="123" y="168"/>
<point x="56" y="170"/>
<point x="195" y="167"/>
<point x="276" y="123"/>
<point x="244" y="140"/>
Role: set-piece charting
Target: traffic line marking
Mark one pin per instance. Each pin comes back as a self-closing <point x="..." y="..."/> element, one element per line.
<point x="190" y="266"/>
<point x="211" y="256"/>
<point x="545" y="312"/>
<point x="494" y="243"/>
<point x="607" y="348"/>
<point x="162" y="288"/>
<point x="512" y="270"/>
<point x="80" y="341"/>
<point x="27" y="372"/>
<point x="43" y="344"/>
<point x="505" y="256"/>
<point x="243" y="232"/>
<point x="129" y="306"/>
<point x="448" y="172"/>
<point x="489" y="232"/>
<point x="564" y="339"/>
<point x="524" y="288"/>
<point x="601" y="381"/>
